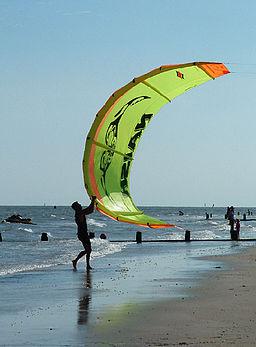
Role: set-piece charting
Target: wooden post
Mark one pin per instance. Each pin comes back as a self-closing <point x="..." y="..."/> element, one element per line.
<point x="187" y="235"/>
<point x="44" y="237"/>
<point x="138" y="237"/>
<point x="91" y="235"/>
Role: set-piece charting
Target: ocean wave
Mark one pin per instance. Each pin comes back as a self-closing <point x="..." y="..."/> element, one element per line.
<point x="92" y="221"/>
<point x="249" y="226"/>
<point x="26" y="229"/>
<point x="213" y="223"/>
<point x="224" y="227"/>
<point x="171" y="236"/>
<point x="23" y="268"/>
<point x="63" y="254"/>
<point x="101" y="248"/>
<point x="205" y="235"/>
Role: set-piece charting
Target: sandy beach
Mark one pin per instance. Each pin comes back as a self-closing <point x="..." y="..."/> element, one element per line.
<point x="57" y="308"/>
<point x="221" y="311"/>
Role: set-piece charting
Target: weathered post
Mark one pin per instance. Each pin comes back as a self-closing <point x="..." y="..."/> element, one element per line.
<point x="187" y="235"/>
<point x="138" y="237"/>
<point x="44" y="237"/>
<point x="91" y="235"/>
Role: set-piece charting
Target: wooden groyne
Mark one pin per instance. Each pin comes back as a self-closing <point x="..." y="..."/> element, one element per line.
<point x="248" y="219"/>
<point x="191" y="240"/>
<point x="139" y="239"/>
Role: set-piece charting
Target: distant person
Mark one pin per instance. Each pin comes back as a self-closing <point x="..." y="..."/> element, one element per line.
<point x="231" y="214"/>
<point x="237" y="228"/>
<point x="227" y="213"/>
<point x="206" y="215"/>
<point x="231" y="218"/>
<point x="82" y="232"/>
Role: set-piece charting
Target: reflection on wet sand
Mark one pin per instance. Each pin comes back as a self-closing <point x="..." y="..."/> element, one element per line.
<point x="84" y="300"/>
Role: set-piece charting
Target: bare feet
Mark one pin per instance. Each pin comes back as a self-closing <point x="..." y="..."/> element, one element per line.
<point x="74" y="264"/>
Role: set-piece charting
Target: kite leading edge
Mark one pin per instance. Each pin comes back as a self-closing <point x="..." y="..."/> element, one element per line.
<point x="117" y="129"/>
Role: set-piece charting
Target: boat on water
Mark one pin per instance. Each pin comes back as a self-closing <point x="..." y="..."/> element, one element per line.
<point x="16" y="218"/>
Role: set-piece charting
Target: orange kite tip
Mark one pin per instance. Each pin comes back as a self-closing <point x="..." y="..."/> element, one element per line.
<point x="159" y="226"/>
<point x="214" y="70"/>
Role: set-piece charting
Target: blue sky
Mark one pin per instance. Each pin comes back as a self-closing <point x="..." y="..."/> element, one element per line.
<point x="60" y="61"/>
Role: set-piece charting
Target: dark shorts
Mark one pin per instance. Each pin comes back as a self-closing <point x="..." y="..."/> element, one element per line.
<point x="86" y="243"/>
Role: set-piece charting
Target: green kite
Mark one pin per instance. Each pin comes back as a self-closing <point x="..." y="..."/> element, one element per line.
<point x="118" y="127"/>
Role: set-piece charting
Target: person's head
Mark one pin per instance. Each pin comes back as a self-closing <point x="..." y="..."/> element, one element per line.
<point x="76" y="206"/>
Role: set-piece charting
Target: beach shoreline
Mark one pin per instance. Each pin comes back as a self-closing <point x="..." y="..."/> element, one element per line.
<point x="219" y="311"/>
<point x="66" y="308"/>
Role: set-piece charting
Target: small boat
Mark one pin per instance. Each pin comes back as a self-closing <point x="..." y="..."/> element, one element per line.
<point x="16" y="218"/>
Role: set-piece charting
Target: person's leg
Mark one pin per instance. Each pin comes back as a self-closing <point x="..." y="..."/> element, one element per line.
<point x="88" y="250"/>
<point x="80" y="255"/>
<point x="88" y="254"/>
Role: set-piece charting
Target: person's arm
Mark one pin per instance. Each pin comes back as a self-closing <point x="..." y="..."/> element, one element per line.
<point x="90" y="208"/>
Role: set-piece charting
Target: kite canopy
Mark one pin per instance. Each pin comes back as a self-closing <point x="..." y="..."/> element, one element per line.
<point x="117" y="129"/>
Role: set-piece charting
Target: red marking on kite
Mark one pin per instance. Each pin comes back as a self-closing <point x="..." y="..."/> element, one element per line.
<point x="180" y="74"/>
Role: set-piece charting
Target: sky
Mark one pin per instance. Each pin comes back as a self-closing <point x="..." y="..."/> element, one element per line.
<point x="61" y="60"/>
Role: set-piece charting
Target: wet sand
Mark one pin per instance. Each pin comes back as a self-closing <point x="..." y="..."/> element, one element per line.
<point x="220" y="312"/>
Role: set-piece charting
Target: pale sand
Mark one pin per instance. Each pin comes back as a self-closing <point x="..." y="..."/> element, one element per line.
<point x="221" y="312"/>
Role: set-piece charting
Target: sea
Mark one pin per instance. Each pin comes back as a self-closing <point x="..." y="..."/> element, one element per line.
<point x="22" y="250"/>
